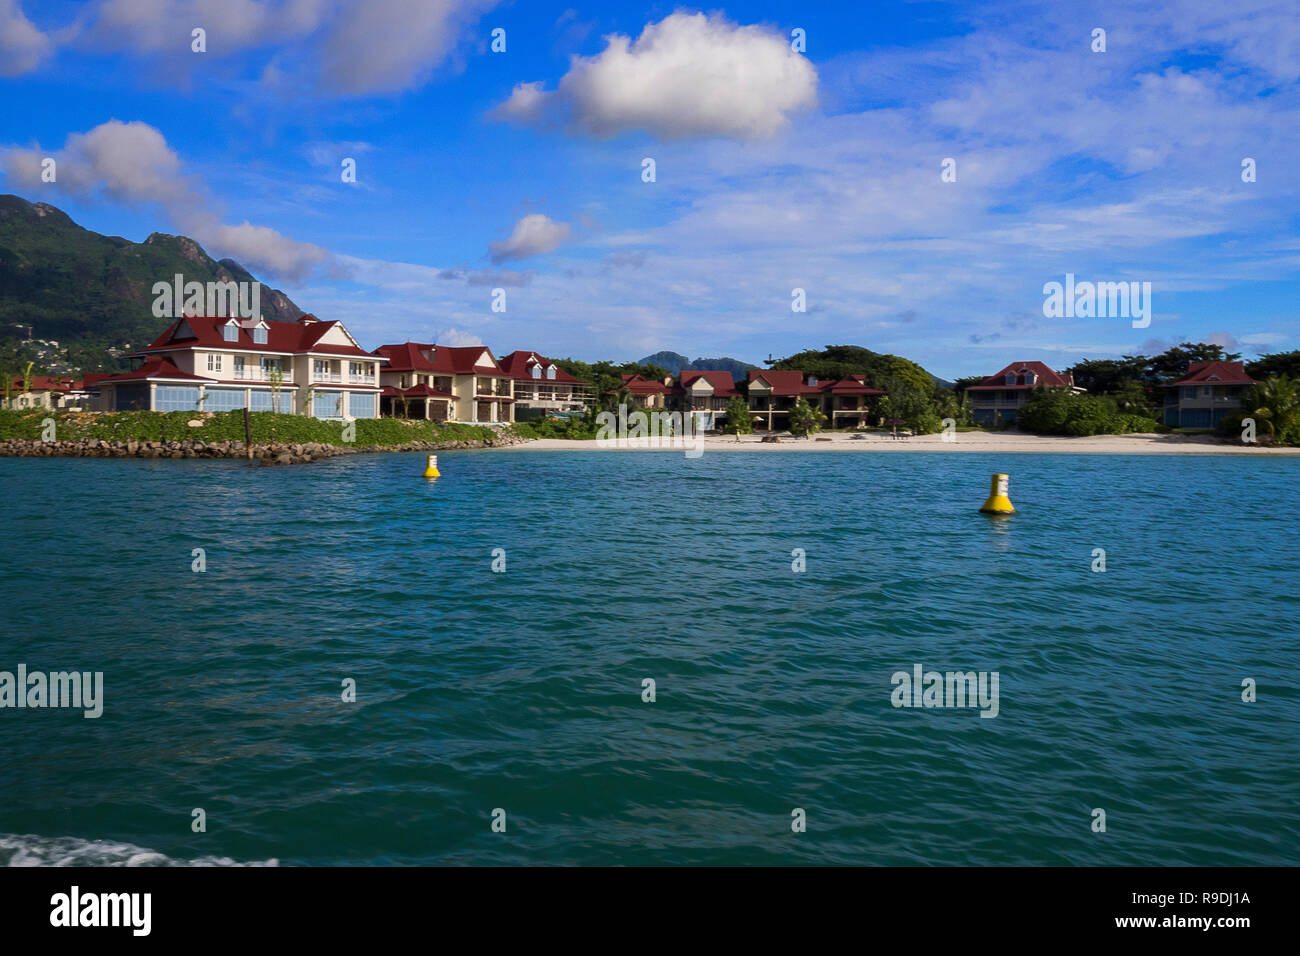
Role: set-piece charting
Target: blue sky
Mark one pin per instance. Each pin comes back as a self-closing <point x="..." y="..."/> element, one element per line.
<point x="775" y="169"/>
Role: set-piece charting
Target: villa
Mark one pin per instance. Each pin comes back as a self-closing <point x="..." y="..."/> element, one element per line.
<point x="1208" y="393"/>
<point x="446" y="384"/>
<point x="643" y="392"/>
<point x="997" y="399"/>
<point x="205" y="363"/>
<point x="772" y="393"/>
<point x="705" y="395"/>
<point x="541" y="387"/>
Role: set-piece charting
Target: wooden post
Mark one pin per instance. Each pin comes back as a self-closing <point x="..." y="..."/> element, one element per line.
<point x="248" y="435"/>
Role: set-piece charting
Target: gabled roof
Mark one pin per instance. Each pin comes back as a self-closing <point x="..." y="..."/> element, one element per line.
<point x="639" y="385"/>
<point x="1044" y="377"/>
<point x="783" y="381"/>
<point x="1214" y="373"/>
<point x="519" y="364"/>
<point x="201" y="331"/>
<point x="439" y="359"/>
<point x="853" y="385"/>
<point x="155" y="367"/>
<point x="724" y="386"/>
<point x="44" y="383"/>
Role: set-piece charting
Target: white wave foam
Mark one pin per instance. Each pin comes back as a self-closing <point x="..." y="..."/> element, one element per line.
<point x="31" y="850"/>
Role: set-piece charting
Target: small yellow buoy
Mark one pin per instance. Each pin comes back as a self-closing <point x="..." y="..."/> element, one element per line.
<point x="998" y="503"/>
<point x="432" y="470"/>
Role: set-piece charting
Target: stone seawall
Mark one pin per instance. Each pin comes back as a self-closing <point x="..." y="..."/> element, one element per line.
<point x="264" y="453"/>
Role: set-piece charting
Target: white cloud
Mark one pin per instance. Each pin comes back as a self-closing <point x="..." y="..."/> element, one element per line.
<point x="457" y="338"/>
<point x="22" y="46"/>
<point x="132" y="163"/>
<point x="687" y="76"/>
<point x="347" y="47"/>
<point x="532" y="236"/>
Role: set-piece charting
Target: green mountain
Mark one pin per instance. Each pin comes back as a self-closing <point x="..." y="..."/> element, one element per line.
<point x="91" y="293"/>
<point x="882" y="370"/>
<point x="675" y="362"/>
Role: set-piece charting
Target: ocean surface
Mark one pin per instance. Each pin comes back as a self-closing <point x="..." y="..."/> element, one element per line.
<point x="522" y="690"/>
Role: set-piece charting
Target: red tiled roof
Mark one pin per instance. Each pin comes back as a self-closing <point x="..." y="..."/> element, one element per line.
<point x="90" y="380"/>
<point x="449" y="360"/>
<point x="783" y="381"/>
<point x="1044" y="377"/>
<point x="1214" y="373"/>
<point x="296" y="337"/>
<point x="44" y="383"/>
<point x="519" y="363"/>
<point x="638" y="385"/>
<point x="154" y="367"/>
<point x="724" y="386"/>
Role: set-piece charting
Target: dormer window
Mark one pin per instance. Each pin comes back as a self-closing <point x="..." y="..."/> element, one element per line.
<point x="230" y="333"/>
<point x="259" y="336"/>
<point x="1011" y="378"/>
<point x="550" y="371"/>
<point x="812" y="379"/>
<point x="536" y="371"/>
<point x="1030" y="378"/>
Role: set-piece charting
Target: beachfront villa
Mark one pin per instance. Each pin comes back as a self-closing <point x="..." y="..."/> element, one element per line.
<point x="542" y="388"/>
<point x="705" y="395"/>
<point x="1209" y="392"/>
<point x="446" y="384"/>
<point x="643" y="392"/>
<point x="997" y="399"/>
<point x="772" y="393"/>
<point x="214" y="364"/>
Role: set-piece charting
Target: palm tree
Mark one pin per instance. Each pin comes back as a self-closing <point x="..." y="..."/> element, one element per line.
<point x="1275" y="404"/>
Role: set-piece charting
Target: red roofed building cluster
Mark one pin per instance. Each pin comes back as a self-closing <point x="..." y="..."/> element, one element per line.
<point x="1209" y="392"/>
<point x="998" y="398"/>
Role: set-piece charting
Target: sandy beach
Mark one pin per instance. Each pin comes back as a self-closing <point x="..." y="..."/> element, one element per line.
<point x="985" y="442"/>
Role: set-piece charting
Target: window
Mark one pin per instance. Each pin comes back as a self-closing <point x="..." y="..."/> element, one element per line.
<point x="1189" y="391"/>
<point x="259" y="336"/>
<point x="270" y="363"/>
<point x="264" y="400"/>
<point x="536" y="371"/>
<point x="176" y="398"/>
<point x="550" y="372"/>
<point x="1030" y="378"/>
<point x="230" y="333"/>
<point x="214" y="362"/>
<point x="356" y="368"/>
<point x="223" y="399"/>
<point x="326" y="405"/>
<point x="239" y="366"/>
<point x="361" y="405"/>
<point x="1011" y="378"/>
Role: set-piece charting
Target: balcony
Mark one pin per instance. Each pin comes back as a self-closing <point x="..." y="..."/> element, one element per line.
<point x="260" y="375"/>
<point x="361" y="379"/>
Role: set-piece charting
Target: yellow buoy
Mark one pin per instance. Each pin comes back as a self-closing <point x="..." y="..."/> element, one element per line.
<point x="998" y="503"/>
<point x="432" y="470"/>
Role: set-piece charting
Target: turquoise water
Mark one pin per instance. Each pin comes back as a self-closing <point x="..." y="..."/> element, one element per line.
<point x="522" y="690"/>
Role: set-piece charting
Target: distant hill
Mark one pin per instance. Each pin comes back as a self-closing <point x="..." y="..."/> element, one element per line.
<point x="91" y="292"/>
<point x="675" y="362"/>
<point x="881" y="369"/>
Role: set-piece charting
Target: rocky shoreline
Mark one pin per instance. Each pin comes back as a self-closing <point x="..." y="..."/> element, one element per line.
<point x="264" y="453"/>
